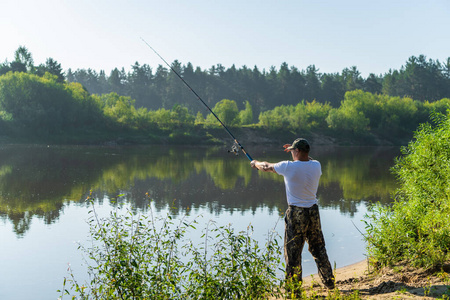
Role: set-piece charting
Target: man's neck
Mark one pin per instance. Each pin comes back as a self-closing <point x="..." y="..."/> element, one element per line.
<point x="302" y="157"/>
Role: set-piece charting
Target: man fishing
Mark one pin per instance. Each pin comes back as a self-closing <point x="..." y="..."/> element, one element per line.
<point x="302" y="220"/>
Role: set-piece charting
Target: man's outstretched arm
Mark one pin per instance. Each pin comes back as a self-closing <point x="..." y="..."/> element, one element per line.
<point x="263" y="166"/>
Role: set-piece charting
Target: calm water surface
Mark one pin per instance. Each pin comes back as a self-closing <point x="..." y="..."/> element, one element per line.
<point x="43" y="210"/>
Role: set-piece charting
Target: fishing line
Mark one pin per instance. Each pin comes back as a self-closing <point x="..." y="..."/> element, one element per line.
<point x="236" y="145"/>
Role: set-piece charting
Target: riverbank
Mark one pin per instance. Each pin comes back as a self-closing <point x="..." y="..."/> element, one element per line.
<point x="247" y="136"/>
<point x="399" y="282"/>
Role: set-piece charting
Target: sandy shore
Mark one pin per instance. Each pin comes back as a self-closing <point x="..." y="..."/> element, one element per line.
<point x="401" y="282"/>
<point x="355" y="270"/>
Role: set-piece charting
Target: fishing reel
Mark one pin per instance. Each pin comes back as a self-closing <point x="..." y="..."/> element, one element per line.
<point x="234" y="149"/>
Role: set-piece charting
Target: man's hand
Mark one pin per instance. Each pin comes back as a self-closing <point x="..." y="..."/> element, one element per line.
<point x="262" y="166"/>
<point x="286" y="146"/>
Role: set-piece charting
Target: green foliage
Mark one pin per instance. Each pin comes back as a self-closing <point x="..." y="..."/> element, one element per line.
<point x="348" y="117"/>
<point x="420" y="78"/>
<point x="119" y="109"/>
<point x="363" y="112"/>
<point x="31" y="104"/>
<point x="276" y="119"/>
<point x="301" y="117"/>
<point x="315" y="114"/>
<point x="162" y="117"/>
<point x="171" y="119"/>
<point x="35" y="100"/>
<point x="227" y="111"/>
<point x="142" y="257"/>
<point x="417" y="227"/>
<point x="238" y="268"/>
<point x="23" y="57"/>
<point x="398" y="115"/>
<point x="440" y="106"/>
<point x="308" y="116"/>
<point x="181" y="116"/>
<point x="53" y="67"/>
<point x="199" y="119"/>
<point x="43" y="105"/>
<point x="246" y="115"/>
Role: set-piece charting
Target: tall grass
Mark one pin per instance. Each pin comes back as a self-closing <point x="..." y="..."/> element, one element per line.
<point x="416" y="228"/>
<point x="139" y="256"/>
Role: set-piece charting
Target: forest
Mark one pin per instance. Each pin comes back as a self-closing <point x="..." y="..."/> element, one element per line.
<point x="44" y="102"/>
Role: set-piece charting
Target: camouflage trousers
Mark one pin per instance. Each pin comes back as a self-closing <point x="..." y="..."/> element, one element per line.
<point x="303" y="224"/>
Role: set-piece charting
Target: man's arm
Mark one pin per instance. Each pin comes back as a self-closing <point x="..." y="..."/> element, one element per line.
<point x="263" y="166"/>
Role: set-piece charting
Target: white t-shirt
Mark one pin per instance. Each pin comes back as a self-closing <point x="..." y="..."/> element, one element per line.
<point x="301" y="179"/>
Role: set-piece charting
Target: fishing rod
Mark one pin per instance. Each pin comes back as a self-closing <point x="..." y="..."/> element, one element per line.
<point x="235" y="148"/>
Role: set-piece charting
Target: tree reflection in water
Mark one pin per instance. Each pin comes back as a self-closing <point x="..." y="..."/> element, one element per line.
<point x="38" y="181"/>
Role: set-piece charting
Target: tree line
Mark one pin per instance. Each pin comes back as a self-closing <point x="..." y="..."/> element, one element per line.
<point x="43" y="100"/>
<point x="420" y="79"/>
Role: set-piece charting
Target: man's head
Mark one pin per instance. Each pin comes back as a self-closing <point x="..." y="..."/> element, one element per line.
<point x="300" y="144"/>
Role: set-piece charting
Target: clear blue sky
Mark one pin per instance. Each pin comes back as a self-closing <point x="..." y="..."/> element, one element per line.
<point x="103" y="34"/>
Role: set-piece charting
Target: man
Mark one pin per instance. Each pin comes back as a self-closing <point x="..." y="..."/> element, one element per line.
<point x="302" y="220"/>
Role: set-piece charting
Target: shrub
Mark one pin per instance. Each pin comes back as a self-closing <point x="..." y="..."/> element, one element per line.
<point x="304" y="116"/>
<point x="416" y="228"/>
<point x="227" y="111"/>
<point x="43" y="105"/>
<point x="246" y="115"/>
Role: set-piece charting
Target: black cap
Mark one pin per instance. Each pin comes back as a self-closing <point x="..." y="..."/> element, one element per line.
<point x="300" y="144"/>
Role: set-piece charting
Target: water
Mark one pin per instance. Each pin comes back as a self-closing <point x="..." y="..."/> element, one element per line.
<point x="43" y="211"/>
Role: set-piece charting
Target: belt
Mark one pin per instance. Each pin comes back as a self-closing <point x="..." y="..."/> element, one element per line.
<point x="299" y="208"/>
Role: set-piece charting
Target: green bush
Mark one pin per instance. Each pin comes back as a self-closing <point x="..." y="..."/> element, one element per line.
<point x="416" y="229"/>
<point x="246" y="115"/>
<point x="227" y="111"/>
<point x="277" y="118"/>
<point x="43" y="105"/>
<point x="304" y="116"/>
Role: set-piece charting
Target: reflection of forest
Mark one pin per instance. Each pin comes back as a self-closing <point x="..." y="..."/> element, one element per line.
<point x="38" y="181"/>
